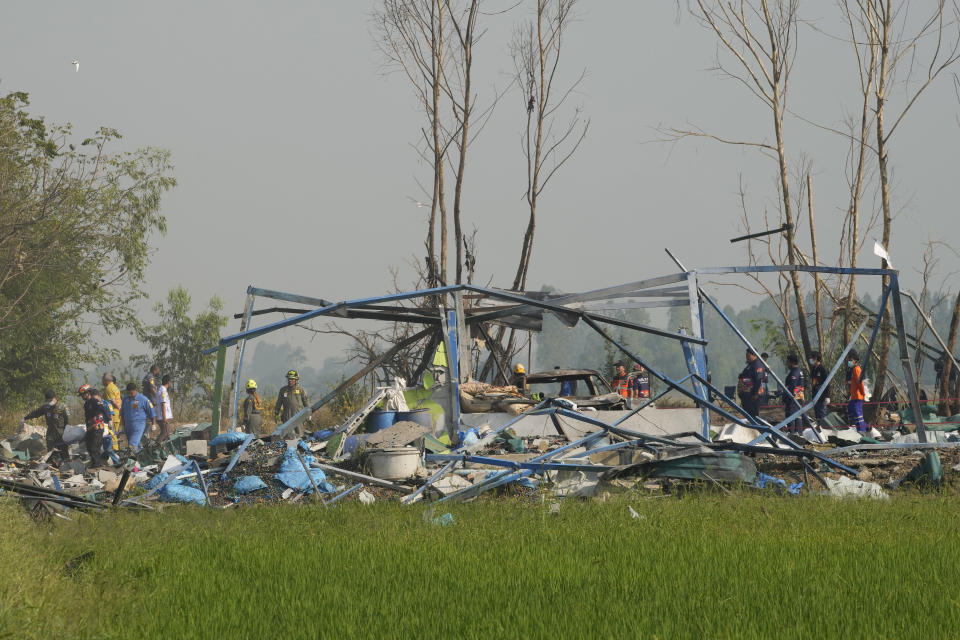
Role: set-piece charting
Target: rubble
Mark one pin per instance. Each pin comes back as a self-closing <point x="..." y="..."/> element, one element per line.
<point x="607" y="460"/>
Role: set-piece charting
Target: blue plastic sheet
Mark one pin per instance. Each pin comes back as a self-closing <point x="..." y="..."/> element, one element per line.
<point x="764" y="481"/>
<point x="323" y="434"/>
<point x="248" y="484"/>
<point x="229" y="438"/>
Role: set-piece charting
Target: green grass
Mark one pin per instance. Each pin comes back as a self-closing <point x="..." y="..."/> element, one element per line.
<point x="704" y="566"/>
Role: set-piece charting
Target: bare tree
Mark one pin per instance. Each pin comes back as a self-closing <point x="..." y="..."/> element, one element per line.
<point x="551" y="134"/>
<point x="548" y="142"/>
<point x="759" y="37"/>
<point x="896" y="44"/>
<point x="432" y="42"/>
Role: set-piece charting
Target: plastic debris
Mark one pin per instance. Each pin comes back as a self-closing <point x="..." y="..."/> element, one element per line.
<point x="365" y="497"/>
<point x="844" y="487"/>
<point x="764" y="481"/>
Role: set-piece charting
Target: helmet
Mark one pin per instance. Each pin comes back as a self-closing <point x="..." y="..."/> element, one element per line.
<point x="251" y="384"/>
<point x="518" y="368"/>
<point x="293" y="374"/>
<point x="83" y="389"/>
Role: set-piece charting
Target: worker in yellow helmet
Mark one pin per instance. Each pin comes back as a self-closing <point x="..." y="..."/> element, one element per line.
<point x="519" y="379"/>
<point x="252" y="421"/>
<point x="291" y="399"/>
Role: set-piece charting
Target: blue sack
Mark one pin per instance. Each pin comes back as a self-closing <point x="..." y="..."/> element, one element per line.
<point x="290" y="463"/>
<point x="182" y="493"/>
<point x="228" y="438"/>
<point x="249" y="484"/>
<point x="298" y="480"/>
<point x="157" y="480"/>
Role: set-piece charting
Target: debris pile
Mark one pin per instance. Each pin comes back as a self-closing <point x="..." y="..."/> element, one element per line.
<point x="406" y="463"/>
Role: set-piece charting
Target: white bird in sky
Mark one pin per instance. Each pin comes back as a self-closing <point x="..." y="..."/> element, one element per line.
<point x="76" y="65"/>
<point x="418" y="203"/>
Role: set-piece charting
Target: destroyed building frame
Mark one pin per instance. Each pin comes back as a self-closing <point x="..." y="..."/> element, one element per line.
<point x="450" y="322"/>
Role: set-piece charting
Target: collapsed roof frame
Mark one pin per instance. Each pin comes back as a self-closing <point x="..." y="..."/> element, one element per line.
<point x="452" y="320"/>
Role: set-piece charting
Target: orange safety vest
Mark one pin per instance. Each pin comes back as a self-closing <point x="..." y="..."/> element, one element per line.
<point x="622" y="386"/>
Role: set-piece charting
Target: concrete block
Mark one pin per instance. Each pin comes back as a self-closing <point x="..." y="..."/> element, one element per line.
<point x="198" y="448"/>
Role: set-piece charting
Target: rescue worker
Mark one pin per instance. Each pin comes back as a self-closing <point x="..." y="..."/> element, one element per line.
<point x="109" y="445"/>
<point x="252" y="409"/>
<point x="56" y="416"/>
<point x="149" y="384"/>
<point x="97" y="418"/>
<point x="857" y="393"/>
<point x="164" y="409"/>
<point x="818" y="374"/>
<point x="112" y="395"/>
<point x="519" y="379"/>
<point x="641" y="382"/>
<point x="290" y="400"/>
<point x="793" y="394"/>
<point x="620" y="382"/>
<point x="134" y="413"/>
<point x="751" y="386"/>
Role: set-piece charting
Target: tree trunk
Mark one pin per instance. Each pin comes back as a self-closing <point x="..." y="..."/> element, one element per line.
<point x="884" y="351"/>
<point x="466" y="42"/>
<point x="787" y="207"/>
<point x="816" y="276"/>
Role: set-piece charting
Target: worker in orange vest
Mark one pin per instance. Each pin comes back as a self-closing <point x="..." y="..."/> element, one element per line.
<point x="857" y="391"/>
<point x="621" y="383"/>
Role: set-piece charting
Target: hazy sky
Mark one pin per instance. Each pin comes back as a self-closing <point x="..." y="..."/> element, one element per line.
<point x="292" y="146"/>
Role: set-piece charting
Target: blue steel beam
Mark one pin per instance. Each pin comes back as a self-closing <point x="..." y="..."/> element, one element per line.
<point x="905" y="362"/>
<point x="801" y="268"/>
<point x="343" y="494"/>
<point x="288" y="297"/>
<point x="508" y="476"/>
<point x="439" y="474"/>
<point x="876" y="329"/>
<point x="696" y="355"/>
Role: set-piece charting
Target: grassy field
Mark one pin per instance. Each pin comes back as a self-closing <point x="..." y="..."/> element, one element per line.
<point x="704" y="566"/>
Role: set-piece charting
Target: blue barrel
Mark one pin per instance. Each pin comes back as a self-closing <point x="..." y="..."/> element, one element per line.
<point x="380" y="420"/>
<point x="420" y="416"/>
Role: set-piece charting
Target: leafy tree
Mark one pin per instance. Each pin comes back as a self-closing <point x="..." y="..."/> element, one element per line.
<point x="75" y="227"/>
<point x="176" y="343"/>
